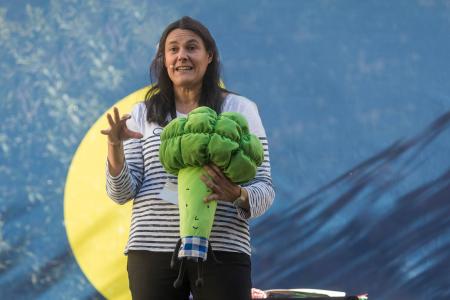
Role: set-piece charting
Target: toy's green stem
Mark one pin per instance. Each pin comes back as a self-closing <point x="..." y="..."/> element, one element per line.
<point x="196" y="217"/>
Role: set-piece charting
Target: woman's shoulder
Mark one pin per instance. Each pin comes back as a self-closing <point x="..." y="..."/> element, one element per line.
<point x="246" y="107"/>
<point x="238" y="103"/>
<point x="139" y="109"/>
<point x="139" y="112"/>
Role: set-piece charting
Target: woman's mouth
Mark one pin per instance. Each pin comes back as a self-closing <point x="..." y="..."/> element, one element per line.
<point x="183" y="68"/>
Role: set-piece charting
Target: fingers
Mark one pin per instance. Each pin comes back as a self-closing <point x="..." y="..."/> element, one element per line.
<point x="116" y="115"/>
<point x="209" y="182"/>
<point x="105" y="131"/>
<point x="210" y="198"/>
<point x="110" y="120"/>
<point x="211" y="185"/>
<point x="214" y="171"/>
<point x="222" y="188"/>
<point x="118" y="124"/>
<point x="117" y="119"/>
<point x="132" y="134"/>
<point x="129" y="134"/>
<point x="125" y="117"/>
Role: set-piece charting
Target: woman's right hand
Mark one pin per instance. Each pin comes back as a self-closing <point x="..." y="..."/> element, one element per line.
<point x="118" y="130"/>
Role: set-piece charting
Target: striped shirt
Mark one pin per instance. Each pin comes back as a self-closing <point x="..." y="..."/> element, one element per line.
<point x="155" y="222"/>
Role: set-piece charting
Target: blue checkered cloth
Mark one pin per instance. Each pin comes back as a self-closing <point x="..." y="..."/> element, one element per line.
<point x="193" y="246"/>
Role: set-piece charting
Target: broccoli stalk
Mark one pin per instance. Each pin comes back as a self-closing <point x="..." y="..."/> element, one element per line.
<point x="196" y="217"/>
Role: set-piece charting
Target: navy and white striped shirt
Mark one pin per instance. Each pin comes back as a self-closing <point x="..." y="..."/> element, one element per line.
<point x="155" y="222"/>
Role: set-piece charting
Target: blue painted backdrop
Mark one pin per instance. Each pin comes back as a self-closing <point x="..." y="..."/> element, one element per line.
<point x="355" y="97"/>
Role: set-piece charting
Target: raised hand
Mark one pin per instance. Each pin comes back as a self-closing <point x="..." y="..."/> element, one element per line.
<point x="118" y="130"/>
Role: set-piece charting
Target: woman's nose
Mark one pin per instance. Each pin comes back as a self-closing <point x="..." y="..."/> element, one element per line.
<point x="182" y="54"/>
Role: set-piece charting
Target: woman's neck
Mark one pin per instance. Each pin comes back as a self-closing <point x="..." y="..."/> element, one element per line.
<point x="186" y="99"/>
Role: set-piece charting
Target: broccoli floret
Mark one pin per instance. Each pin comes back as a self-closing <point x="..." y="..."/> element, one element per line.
<point x="205" y="137"/>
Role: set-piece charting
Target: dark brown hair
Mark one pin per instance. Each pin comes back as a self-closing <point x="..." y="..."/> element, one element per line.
<point x="160" y="99"/>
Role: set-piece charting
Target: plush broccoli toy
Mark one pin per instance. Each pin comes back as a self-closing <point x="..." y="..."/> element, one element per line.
<point x="187" y="144"/>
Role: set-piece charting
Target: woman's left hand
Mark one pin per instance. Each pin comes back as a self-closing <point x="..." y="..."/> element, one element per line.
<point x="222" y="188"/>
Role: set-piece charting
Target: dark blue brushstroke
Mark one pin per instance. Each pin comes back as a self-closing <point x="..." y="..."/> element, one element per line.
<point x="340" y="238"/>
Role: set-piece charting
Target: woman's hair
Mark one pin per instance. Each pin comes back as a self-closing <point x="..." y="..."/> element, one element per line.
<point x="160" y="99"/>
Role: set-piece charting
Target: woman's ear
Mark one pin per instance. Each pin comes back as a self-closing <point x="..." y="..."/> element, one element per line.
<point x="210" y="57"/>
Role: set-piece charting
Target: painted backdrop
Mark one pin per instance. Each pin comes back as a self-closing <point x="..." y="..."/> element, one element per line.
<point x="355" y="98"/>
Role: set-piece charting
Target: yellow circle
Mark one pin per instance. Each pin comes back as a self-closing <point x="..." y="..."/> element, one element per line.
<point x="97" y="227"/>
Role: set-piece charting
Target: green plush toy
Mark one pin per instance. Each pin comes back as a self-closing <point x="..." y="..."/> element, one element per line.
<point x="187" y="144"/>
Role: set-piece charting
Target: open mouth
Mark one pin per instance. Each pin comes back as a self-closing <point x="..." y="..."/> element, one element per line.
<point x="183" y="68"/>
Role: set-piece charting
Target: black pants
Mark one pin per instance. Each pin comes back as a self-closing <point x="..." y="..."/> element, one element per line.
<point x="151" y="278"/>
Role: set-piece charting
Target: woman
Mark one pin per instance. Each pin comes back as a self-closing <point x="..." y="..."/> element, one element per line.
<point x="187" y="72"/>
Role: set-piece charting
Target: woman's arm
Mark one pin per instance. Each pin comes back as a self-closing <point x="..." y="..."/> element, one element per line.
<point x="260" y="192"/>
<point x="124" y="170"/>
<point x="116" y="157"/>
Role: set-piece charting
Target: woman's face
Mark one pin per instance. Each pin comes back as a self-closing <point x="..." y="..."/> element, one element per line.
<point x="185" y="58"/>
